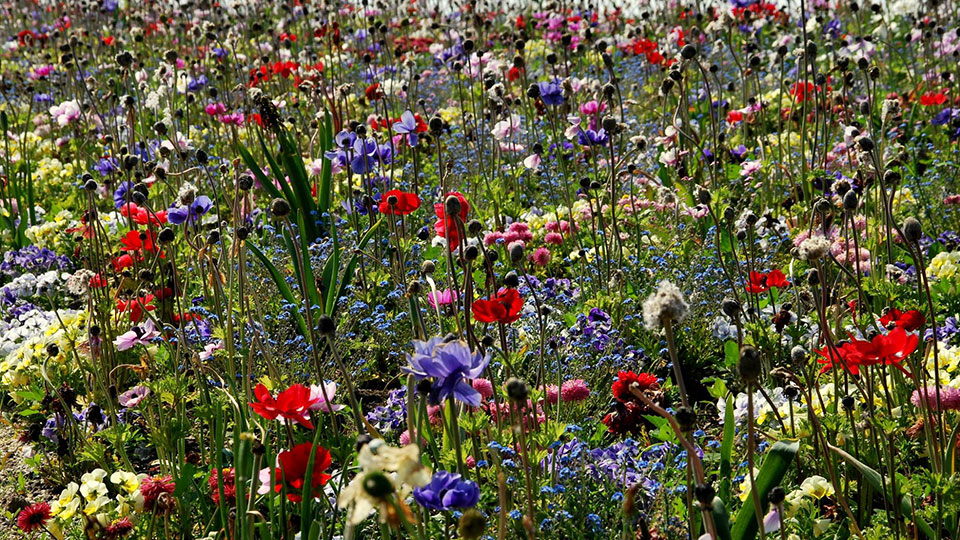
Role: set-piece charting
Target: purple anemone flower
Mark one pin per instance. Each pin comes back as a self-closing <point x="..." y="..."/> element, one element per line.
<point x="447" y="490"/>
<point x="449" y="363"/>
<point x="189" y="214"/>
<point x="590" y="137"/>
<point x="407" y="126"/>
<point x="551" y="93"/>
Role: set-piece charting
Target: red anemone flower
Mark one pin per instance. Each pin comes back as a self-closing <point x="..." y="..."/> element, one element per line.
<point x="889" y="349"/>
<point x="373" y="92"/>
<point x="763" y="282"/>
<point x="405" y="203"/>
<point x="138" y="240"/>
<point x="136" y="306"/>
<point x="291" y="404"/>
<point x="292" y="470"/>
<point x="931" y="99"/>
<point x="445" y="226"/>
<point x="910" y="320"/>
<point x="625" y="379"/>
<point x="504" y="307"/>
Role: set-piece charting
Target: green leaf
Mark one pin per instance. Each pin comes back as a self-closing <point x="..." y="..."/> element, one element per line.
<point x="726" y="449"/>
<point x="873" y="478"/>
<point x="325" y="192"/>
<point x="774" y="467"/>
<point x="265" y="182"/>
<point x="281" y="283"/>
<point x="731" y="354"/>
<point x="348" y="271"/>
<point x="721" y="518"/>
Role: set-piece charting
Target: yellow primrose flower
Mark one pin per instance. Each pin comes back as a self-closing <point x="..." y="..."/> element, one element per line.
<point x="126" y="481"/>
<point x="67" y="505"/>
<point x="816" y="487"/>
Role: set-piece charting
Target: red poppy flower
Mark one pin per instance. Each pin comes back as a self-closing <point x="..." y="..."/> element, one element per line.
<point x="138" y="240"/>
<point x="625" y="379"/>
<point x="291" y="404"/>
<point x="141" y="216"/>
<point x="734" y="116"/>
<point x="931" y="99"/>
<point x="910" y="321"/>
<point x="373" y="92"/>
<point x="293" y="470"/>
<point x="504" y="307"/>
<point x="760" y="282"/>
<point x="33" y="517"/>
<point x="890" y="349"/>
<point x="136" y="307"/>
<point x="445" y="227"/>
<point x="513" y="74"/>
<point x="122" y="262"/>
<point x="406" y="203"/>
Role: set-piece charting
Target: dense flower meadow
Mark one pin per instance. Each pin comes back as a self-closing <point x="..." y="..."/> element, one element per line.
<point x="315" y="270"/>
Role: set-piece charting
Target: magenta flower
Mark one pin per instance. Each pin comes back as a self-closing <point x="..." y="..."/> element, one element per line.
<point x="442" y="298"/>
<point x="138" y="335"/>
<point x="328" y="390"/>
<point x="132" y="397"/>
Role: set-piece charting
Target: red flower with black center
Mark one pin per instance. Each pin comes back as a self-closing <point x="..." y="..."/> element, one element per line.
<point x="625" y="418"/>
<point x="136" y="306"/>
<point x="405" y="203"/>
<point x="139" y="240"/>
<point x="292" y="470"/>
<point x="33" y="517"/>
<point x="910" y="321"/>
<point x="291" y="404"/>
<point x="373" y="92"/>
<point x="504" y="307"/>
<point x="763" y="282"/>
<point x="625" y="379"/>
<point x="889" y="349"/>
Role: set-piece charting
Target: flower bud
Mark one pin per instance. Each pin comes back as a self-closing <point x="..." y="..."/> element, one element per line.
<point x="730" y="308"/>
<point x="377" y="485"/>
<point x="851" y="201"/>
<point x="326" y="326"/>
<point x="749" y="366"/>
<point x="428" y="267"/>
<point x="517" y="389"/>
<point x="912" y="230"/>
<point x="511" y="280"/>
<point x="516" y="253"/>
<point x="704" y="494"/>
<point x="472" y="525"/>
<point x="280" y="208"/>
<point x="452" y="206"/>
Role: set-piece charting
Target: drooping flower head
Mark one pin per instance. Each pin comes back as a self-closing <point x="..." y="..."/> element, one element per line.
<point x="446" y="491"/>
<point x="449" y="364"/>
